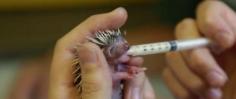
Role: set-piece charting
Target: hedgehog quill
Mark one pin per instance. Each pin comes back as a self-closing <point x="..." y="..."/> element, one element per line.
<point x="114" y="45"/>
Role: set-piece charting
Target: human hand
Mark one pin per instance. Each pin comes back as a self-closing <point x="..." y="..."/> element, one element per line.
<point x="97" y="76"/>
<point x="198" y="73"/>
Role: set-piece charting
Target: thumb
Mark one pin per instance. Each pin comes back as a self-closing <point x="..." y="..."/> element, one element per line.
<point x="96" y="77"/>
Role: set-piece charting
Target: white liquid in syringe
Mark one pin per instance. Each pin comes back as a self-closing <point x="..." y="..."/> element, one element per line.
<point x="152" y="48"/>
<point x="161" y="47"/>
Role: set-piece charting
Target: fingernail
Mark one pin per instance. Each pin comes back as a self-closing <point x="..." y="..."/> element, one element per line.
<point x="214" y="94"/>
<point x="216" y="79"/>
<point x="119" y="10"/>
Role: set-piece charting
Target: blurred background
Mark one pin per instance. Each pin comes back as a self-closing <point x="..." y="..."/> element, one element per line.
<point x="30" y="28"/>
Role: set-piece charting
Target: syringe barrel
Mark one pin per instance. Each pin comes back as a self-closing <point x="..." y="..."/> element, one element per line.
<point x="161" y="47"/>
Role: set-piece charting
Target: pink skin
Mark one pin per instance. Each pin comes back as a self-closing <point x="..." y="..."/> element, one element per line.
<point x="117" y="58"/>
<point x="116" y="50"/>
<point x="123" y="72"/>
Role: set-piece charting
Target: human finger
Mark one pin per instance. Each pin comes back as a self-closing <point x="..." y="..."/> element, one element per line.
<point x="94" y="71"/>
<point x="183" y="73"/>
<point x="200" y="60"/>
<point x="175" y="87"/>
<point x="217" y="21"/>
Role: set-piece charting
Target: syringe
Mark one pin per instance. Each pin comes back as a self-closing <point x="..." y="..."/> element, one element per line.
<point x="162" y="47"/>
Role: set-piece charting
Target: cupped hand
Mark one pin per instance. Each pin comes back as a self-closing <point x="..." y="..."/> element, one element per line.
<point x="96" y="73"/>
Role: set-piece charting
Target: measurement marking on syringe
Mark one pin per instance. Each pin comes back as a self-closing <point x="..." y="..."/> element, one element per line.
<point x="161" y="47"/>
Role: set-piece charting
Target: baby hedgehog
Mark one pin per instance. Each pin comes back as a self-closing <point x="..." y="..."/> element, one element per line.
<point x="114" y="45"/>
